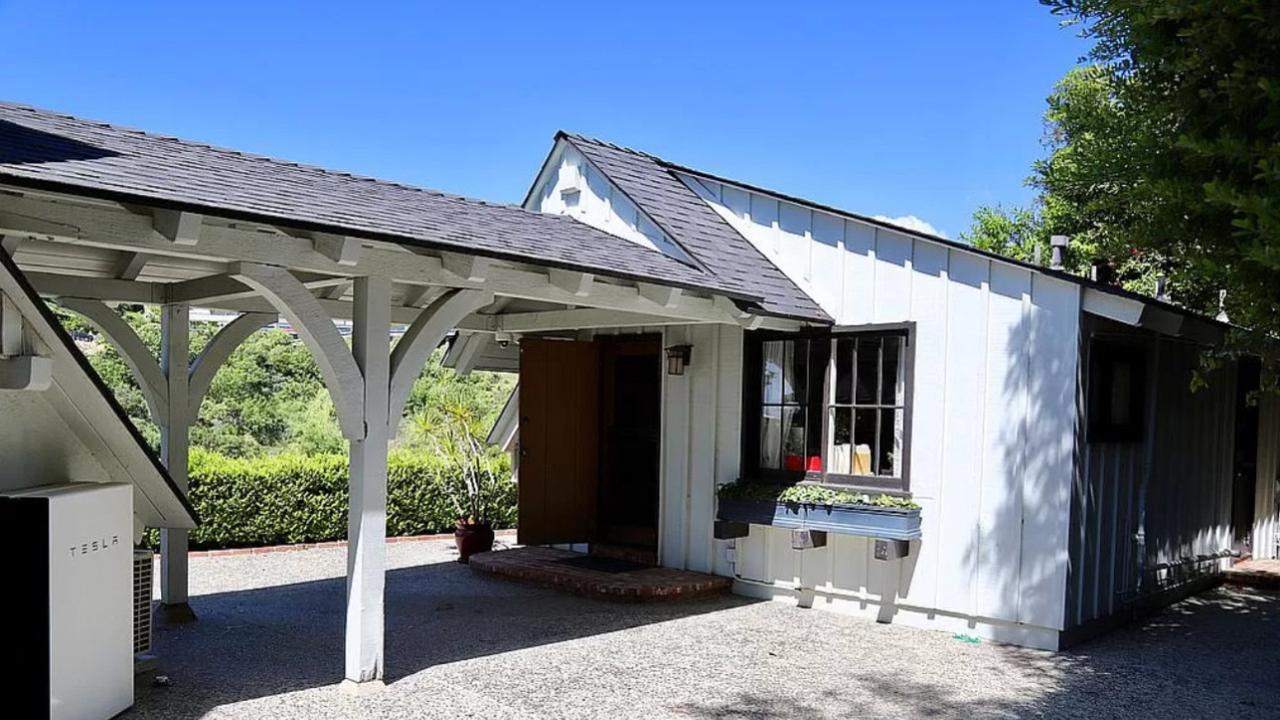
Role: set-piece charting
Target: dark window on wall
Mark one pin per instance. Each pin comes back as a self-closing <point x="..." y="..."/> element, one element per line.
<point x="1117" y="386"/>
<point x="833" y="407"/>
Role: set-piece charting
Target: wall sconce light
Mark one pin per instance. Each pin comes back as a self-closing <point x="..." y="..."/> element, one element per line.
<point x="678" y="358"/>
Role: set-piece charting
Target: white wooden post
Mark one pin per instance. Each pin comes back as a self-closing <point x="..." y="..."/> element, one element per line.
<point x="175" y="359"/>
<point x="367" y="525"/>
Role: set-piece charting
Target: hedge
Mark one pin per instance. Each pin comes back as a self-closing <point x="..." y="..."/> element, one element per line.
<point x="285" y="499"/>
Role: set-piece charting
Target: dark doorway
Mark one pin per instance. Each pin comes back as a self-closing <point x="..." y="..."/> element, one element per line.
<point x="1245" y="467"/>
<point x="630" y="433"/>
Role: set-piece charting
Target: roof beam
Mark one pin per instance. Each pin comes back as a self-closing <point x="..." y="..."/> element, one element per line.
<point x="470" y="352"/>
<point x="131" y="265"/>
<point x="112" y="290"/>
<point x="179" y="226"/>
<point x="577" y="319"/>
<point x="213" y="289"/>
<point x="10" y="243"/>
<point x="342" y="249"/>
<point x="660" y="295"/>
<point x="471" y="268"/>
<point x="62" y="222"/>
<point x="575" y="283"/>
<point x="740" y="316"/>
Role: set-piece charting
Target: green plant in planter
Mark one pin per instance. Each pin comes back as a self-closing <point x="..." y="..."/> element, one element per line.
<point x="455" y="431"/>
<point x="811" y="494"/>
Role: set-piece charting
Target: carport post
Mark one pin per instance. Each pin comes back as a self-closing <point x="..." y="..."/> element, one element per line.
<point x="175" y="361"/>
<point x="367" y="523"/>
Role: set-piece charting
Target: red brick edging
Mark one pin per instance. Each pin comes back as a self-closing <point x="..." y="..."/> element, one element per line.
<point x="330" y="544"/>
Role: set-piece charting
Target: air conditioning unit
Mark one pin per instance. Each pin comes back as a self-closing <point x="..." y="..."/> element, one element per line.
<point x="70" y="622"/>
<point x="143" y="571"/>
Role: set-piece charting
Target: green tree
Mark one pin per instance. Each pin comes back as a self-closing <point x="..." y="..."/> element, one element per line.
<point x="1173" y="142"/>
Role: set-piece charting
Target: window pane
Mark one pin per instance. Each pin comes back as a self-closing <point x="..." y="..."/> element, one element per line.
<point x="867" y="375"/>
<point x="772" y="361"/>
<point x="890" y="458"/>
<point x="844" y="371"/>
<point x="864" y="440"/>
<point x="792" y="438"/>
<point x="797" y="370"/>
<point x="771" y="437"/>
<point x="889" y="388"/>
<point x="840" y="458"/>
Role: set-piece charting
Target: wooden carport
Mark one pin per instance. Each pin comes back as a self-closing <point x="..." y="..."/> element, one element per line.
<point x="96" y="215"/>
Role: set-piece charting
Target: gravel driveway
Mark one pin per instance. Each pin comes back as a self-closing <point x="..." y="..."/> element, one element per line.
<point x="269" y="645"/>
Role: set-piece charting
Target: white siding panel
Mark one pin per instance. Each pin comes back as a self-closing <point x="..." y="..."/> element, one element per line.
<point x="764" y="214"/>
<point x="928" y="309"/>
<point x="702" y="448"/>
<point x="737" y="201"/>
<point x="794" y="226"/>
<point x="966" y="373"/>
<point x="1047" y="476"/>
<point x="826" y="260"/>
<point x="893" y="277"/>
<point x="1000" y="493"/>
<point x="859" y="275"/>
<point x="675" y="461"/>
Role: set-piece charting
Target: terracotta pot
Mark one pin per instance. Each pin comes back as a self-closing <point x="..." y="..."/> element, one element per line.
<point x="472" y="539"/>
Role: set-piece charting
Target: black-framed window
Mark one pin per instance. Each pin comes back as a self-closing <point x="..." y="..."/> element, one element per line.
<point x="1117" y="391"/>
<point x="833" y="406"/>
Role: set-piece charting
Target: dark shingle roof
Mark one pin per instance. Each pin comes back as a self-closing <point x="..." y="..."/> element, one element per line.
<point x="652" y="185"/>
<point x="56" y="151"/>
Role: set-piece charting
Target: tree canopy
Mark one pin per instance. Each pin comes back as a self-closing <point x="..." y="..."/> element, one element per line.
<point x="1164" y="156"/>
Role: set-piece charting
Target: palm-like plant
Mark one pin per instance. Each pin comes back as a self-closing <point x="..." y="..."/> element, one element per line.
<point x="454" y="430"/>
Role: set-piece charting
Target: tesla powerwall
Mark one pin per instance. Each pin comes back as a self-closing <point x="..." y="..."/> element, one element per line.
<point x="69" y="606"/>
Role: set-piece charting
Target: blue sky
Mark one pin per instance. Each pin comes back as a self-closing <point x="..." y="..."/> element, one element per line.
<point x="906" y="108"/>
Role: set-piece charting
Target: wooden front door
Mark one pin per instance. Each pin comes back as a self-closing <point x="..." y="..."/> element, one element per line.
<point x="559" y="440"/>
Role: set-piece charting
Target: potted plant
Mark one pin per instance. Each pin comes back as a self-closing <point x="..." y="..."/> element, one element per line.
<point x="455" y="431"/>
<point x="808" y="505"/>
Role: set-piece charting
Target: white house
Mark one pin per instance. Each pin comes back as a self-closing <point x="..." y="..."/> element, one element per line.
<point x="1066" y="474"/>
<point x="674" y="332"/>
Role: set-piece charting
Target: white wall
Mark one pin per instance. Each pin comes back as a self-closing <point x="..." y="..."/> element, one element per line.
<point x="701" y="444"/>
<point x="570" y="185"/>
<point x="993" y="426"/>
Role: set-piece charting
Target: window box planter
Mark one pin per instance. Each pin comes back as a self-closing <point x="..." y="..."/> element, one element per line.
<point x="863" y="520"/>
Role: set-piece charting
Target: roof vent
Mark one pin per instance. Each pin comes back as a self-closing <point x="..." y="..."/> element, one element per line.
<point x="1058" y="244"/>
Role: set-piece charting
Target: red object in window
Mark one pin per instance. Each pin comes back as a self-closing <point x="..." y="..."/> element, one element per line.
<point x="794" y="463"/>
<point x="815" y="463"/>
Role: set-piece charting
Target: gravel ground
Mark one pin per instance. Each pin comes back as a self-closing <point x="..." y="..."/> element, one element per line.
<point x="269" y="645"/>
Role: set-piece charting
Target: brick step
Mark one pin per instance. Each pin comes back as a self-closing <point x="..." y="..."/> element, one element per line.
<point x="560" y="569"/>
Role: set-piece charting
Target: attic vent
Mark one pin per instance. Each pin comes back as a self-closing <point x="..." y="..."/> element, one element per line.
<point x="570" y="196"/>
<point x="143" y="569"/>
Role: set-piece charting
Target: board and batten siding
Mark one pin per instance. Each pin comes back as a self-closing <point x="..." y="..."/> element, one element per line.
<point x="1175" y="485"/>
<point x="701" y="444"/>
<point x="993" y="424"/>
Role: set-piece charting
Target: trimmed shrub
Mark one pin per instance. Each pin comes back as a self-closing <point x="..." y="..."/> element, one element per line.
<point x="285" y="499"/>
